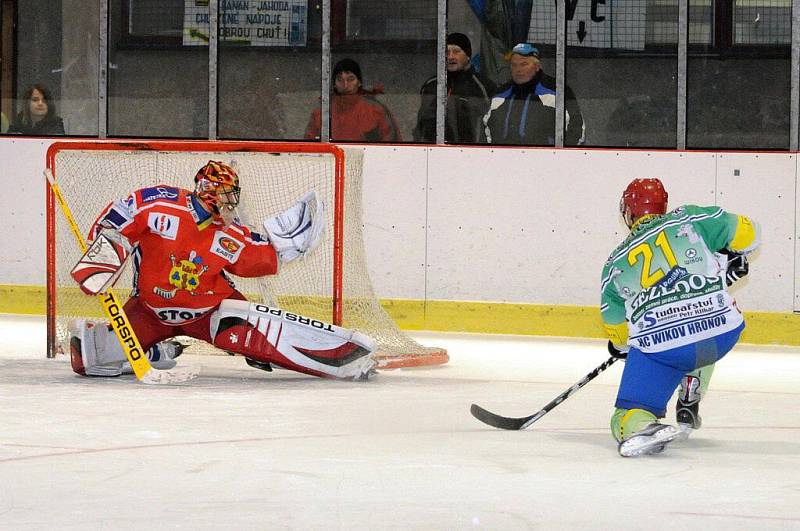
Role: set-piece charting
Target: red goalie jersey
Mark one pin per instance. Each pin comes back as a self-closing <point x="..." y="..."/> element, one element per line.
<point x="180" y="253"/>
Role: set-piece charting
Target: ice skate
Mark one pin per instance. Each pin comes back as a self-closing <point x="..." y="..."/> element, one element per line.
<point x="687" y="410"/>
<point x="256" y="364"/>
<point x="688" y="417"/>
<point x="650" y="440"/>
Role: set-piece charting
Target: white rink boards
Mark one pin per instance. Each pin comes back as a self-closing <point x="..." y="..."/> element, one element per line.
<point x="242" y="449"/>
<point x="530" y="226"/>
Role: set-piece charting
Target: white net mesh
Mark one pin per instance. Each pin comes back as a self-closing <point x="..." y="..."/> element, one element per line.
<point x="270" y="182"/>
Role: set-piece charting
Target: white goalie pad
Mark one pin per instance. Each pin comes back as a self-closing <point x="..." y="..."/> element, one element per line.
<point x="102" y="263"/>
<point x="291" y="340"/>
<point x="91" y="355"/>
<point x="298" y="230"/>
<point x="96" y="351"/>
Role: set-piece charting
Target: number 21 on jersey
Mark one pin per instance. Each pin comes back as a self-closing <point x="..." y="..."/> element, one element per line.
<point x="645" y="253"/>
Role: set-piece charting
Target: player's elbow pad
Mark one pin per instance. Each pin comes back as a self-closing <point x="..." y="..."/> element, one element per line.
<point x="747" y="236"/>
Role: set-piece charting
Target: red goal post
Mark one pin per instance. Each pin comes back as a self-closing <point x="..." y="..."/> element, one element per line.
<point x="332" y="284"/>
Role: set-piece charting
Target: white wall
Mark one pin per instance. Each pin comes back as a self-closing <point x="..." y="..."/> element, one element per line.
<point x="22" y="207"/>
<point x="495" y="224"/>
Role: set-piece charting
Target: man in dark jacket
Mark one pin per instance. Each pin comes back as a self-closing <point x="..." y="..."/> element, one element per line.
<point x="468" y="96"/>
<point x="523" y="112"/>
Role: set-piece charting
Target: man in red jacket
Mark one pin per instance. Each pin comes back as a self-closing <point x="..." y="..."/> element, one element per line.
<point x="356" y="116"/>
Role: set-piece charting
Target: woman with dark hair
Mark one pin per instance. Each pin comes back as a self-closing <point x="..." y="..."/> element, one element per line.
<point x="38" y="115"/>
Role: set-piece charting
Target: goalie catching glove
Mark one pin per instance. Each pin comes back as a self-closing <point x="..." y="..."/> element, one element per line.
<point x="102" y="263"/>
<point x="298" y="230"/>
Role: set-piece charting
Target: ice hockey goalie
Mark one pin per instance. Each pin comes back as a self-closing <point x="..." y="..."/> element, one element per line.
<point x="181" y="244"/>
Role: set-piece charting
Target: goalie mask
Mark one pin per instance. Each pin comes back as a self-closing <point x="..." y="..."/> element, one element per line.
<point x="217" y="187"/>
<point x="643" y="197"/>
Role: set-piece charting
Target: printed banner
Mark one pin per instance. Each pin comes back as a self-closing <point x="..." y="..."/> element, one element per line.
<point x="248" y="22"/>
<point x="592" y="23"/>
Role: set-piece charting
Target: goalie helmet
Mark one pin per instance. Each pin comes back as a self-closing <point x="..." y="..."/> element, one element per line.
<point x="217" y="187"/>
<point x="643" y="197"/>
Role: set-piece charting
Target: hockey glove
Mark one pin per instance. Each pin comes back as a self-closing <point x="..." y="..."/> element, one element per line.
<point x="102" y="263"/>
<point x="737" y="266"/>
<point x="298" y="230"/>
<point x="614" y="351"/>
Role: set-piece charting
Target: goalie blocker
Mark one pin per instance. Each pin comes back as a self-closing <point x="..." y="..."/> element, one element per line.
<point x="102" y="263"/>
<point x="260" y="333"/>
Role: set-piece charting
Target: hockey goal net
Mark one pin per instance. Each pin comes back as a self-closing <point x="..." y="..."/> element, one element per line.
<point x="331" y="284"/>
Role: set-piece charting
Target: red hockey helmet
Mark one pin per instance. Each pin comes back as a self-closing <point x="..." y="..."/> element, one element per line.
<point x="217" y="186"/>
<point x="643" y="197"/>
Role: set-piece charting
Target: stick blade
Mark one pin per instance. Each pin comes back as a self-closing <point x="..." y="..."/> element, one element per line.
<point x="497" y="421"/>
<point x="174" y="376"/>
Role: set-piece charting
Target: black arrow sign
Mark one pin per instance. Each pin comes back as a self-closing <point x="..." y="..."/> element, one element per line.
<point x="581" y="31"/>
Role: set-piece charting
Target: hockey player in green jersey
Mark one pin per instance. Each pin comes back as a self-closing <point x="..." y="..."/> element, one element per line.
<point x="667" y="311"/>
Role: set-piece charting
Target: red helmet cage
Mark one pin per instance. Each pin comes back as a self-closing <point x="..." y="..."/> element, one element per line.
<point x="643" y="197"/>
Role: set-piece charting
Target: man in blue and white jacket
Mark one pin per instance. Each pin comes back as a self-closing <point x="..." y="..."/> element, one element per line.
<point x="523" y="111"/>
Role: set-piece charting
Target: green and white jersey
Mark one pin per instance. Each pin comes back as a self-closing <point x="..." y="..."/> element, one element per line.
<point x="666" y="282"/>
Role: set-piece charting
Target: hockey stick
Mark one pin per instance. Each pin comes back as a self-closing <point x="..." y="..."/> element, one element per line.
<point x="116" y="315"/>
<point x="510" y="423"/>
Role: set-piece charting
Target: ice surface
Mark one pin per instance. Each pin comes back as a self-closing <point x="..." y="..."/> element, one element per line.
<point x="239" y="448"/>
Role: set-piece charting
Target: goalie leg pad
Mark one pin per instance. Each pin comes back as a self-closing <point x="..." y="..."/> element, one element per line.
<point x="292" y="341"/>
<point x="95" y="351"/>
<point x="89" y="352"/>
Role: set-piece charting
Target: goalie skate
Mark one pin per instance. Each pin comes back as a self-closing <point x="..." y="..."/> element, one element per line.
<point x="649" y="441"/>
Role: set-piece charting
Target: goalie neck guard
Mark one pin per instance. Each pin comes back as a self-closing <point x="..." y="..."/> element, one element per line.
<point x="643" y="197"/>
<point x="217" y="187"/>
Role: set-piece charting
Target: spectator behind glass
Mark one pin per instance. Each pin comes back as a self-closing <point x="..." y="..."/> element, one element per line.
<point x="3" y="122"/>
<point x="356" y="116"/>
<point x="524" y="109"/>
<point x="38" y="115"/>
<point x="468" y="97"/>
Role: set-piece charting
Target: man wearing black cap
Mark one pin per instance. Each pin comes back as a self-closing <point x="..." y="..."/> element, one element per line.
<point x="468" y="96"/>
<point x="356" y="115"/>
<point x="523" y="112"/>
